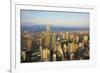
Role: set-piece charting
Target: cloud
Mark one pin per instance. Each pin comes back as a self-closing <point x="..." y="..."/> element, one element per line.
<point x="55" y="18"/>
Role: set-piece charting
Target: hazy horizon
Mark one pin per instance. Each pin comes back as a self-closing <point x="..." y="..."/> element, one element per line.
<point x="52" y="18"/>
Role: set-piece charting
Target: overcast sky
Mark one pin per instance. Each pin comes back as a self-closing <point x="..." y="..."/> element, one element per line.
<point x="68" y="19"/>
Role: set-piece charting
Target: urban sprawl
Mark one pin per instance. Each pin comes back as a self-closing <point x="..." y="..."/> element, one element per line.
<point x="48" y="46"/>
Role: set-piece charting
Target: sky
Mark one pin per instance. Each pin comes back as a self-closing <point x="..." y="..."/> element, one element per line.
<point x="66" y="19"/>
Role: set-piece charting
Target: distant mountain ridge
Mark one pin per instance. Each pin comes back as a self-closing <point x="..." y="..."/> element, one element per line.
<point x="39" y="28"/>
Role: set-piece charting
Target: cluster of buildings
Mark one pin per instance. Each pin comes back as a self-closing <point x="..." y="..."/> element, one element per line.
<point x="54" y="46"/>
